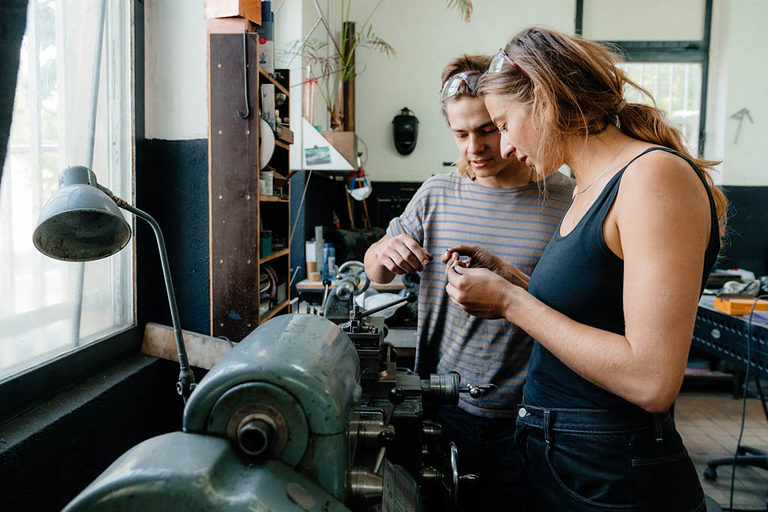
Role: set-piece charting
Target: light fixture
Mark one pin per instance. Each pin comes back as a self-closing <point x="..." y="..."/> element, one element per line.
<point x="82" y="222"/>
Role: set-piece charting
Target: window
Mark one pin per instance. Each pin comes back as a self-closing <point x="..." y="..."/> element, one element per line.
<point x="676" y="87"/>
<point x="50" y="307"/>
<point x="666" y="46"/>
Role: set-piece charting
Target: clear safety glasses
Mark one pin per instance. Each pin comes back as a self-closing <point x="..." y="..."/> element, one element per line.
<point x="452" y="85"/>
<point x="498" y="62"/>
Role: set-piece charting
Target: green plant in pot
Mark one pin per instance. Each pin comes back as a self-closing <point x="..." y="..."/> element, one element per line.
<point x="332" y="65"/>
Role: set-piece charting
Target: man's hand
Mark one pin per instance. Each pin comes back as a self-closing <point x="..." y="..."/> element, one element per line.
<point x="482" y="258"/>
<point x="397" y="255"/>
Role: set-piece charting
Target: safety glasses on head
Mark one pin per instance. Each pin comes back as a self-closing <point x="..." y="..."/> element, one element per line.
<point x="498" y="62"/>
<point x="452" y="85"/>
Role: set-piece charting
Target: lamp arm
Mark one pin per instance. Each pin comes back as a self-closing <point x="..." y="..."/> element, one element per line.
<point x="186" y="383"/>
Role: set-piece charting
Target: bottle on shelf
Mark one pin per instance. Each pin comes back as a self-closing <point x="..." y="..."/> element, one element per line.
<point x="329" y="261"/>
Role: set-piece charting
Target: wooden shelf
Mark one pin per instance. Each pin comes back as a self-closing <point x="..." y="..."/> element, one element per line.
<point x="235" y="226"/>
<point x="274" y="255"/>
<point x="272" y="312"/>
<point x="272" y="80"/>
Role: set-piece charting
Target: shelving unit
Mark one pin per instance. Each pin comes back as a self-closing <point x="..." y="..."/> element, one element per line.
<point x="275" y="211"/>
<point x="238" y="209"/>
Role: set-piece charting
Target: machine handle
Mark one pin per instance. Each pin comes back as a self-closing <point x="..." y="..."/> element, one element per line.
<point x="411" y="297"/>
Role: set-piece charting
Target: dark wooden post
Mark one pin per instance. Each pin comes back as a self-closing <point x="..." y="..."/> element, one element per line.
<point x="348" y="87"/>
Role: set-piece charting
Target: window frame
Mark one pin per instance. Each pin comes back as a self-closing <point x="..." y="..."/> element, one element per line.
<point x="668" y="51"/>
<point x="25" y="390"/>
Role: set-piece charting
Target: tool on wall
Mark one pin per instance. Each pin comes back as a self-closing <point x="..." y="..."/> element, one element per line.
<point x="247" y="113"/>
<point x="739" y="116"/>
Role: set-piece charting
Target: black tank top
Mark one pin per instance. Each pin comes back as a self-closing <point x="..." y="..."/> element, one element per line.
<point x="579" y="276"/>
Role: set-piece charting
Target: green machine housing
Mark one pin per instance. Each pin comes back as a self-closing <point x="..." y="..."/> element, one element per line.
<point x="266" y="429"/>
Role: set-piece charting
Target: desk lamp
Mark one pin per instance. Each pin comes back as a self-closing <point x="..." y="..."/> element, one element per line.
<point x="82" y="222"/>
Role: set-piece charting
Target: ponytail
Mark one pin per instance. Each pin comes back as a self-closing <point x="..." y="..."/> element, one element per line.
<point x="645" y="122"/>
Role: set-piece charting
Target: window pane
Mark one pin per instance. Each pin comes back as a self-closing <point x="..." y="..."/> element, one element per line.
<point x="676" y="86"/>
<point x="40" y="300"/>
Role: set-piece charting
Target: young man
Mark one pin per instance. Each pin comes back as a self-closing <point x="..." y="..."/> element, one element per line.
<point x="492" y="205"/>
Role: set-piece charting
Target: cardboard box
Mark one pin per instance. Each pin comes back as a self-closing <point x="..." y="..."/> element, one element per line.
<point x="738" y="305"/>
<point x="235" y="25"/>
<point x="250" y="9"/>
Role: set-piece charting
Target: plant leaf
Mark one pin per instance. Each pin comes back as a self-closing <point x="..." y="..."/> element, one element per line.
<point x="464" y="7"/>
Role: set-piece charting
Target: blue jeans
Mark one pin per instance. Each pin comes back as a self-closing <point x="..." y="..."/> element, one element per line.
<point x="606" y="460"/>
<point x="487" y="449"/>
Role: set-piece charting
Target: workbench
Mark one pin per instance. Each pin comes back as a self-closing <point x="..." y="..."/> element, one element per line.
<point x="307" y="289"/>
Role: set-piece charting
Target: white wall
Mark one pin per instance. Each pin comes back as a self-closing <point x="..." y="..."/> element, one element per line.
<point x="738" y="78"/>
<point x="426" y="36"/>
<point x="646" y="20"/>
<point x="176" y="75"/>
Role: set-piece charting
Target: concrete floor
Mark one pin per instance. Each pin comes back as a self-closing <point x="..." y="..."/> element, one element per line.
<point x="709" y="425"/>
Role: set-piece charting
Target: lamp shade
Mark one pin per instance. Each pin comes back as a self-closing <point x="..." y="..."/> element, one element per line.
<point x="80" y="222"/>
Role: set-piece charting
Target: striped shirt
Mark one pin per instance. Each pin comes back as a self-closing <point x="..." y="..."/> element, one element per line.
<point x="515" y="224"/>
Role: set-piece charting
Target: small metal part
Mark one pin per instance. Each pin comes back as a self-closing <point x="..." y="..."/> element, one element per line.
<point x="379" y="459"/>
<point x="370" y="429"/>
<point x="477" y="390"/>
<point x="256" y="434"/>
<point x="364" y="485"/>
<point x="453" y="477"/>
<point x="258" y="430"/>
<point x="431" y="428"/>
<point x="429" y="474"/>
<point x="442" y="388"/>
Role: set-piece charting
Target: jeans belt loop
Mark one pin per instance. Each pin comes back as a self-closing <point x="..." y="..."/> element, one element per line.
<point x="547" y="423"/>
<point x="657" y="428"/>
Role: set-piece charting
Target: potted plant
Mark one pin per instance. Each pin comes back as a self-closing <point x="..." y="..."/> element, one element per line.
<point x="332" y="63"/>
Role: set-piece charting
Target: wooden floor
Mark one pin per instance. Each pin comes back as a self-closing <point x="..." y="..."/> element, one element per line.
<point x="709" y="424"/>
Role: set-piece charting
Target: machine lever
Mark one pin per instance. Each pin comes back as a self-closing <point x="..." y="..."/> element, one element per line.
<point x="476" y="390"/>
<point x="326" y="290"/>
<point x="411" y="297"/>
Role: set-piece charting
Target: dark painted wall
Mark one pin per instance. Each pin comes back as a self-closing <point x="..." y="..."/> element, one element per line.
<point x="746" y="242"/>
<point x="172" y="186"/>
<point x="322" y="199"/>
<point x="53" y="452"/>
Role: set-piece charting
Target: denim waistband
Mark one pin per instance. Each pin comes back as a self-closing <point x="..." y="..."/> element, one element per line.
<point x="593" y="421"/>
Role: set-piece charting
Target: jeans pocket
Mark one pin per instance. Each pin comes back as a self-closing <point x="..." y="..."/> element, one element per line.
<point x="664" y="475"/>
<point x="668" y="483"/>
<point x="594" y="470"/>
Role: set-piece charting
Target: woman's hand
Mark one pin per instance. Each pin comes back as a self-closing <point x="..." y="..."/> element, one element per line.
<point x="482" y="258"/>
<point x="478" y="291"/>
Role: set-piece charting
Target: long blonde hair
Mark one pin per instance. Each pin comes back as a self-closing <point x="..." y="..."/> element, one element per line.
<point x="576" y="87"/>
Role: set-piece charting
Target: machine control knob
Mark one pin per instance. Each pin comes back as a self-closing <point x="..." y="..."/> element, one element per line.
<point x="442" y="388"/>
<point x="396" y="396"/>
<point x="386" y="437"/>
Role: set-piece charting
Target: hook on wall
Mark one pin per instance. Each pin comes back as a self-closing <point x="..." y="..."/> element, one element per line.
<point x="247" y="113"/>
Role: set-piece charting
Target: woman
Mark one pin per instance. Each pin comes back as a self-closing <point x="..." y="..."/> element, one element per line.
<point x="613" y="299"/>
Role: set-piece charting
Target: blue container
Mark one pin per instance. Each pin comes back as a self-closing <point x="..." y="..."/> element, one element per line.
<point x="329" y="260"/>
